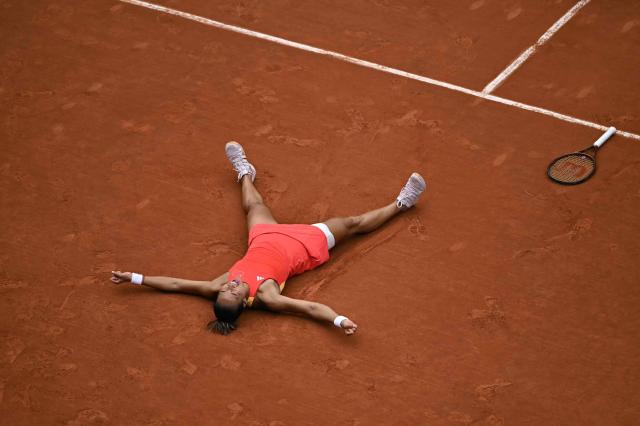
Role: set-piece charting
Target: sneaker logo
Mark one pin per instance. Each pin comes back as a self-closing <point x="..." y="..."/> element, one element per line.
<point x="259" y="278"/>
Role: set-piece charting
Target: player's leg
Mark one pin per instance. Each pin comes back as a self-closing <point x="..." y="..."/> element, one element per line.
<point x="252" y="202"/>
<point x="257" y="211"/>
<point x="344" y="227"/>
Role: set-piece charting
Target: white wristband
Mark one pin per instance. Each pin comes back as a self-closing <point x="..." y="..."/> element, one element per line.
<point x="338" y="321"/>
<point x="136" y="278"/>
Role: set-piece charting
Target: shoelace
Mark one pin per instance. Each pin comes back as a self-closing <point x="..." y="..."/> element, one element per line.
<point x="409" y="191"/>
<point x="240" y="162"/>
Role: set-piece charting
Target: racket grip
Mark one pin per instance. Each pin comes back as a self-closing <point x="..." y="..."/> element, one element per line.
<point x="602" y="139"/>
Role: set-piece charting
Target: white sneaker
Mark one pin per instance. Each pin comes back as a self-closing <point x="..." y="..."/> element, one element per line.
<point x="239" y="161"/>
<point x="411" y="191"/>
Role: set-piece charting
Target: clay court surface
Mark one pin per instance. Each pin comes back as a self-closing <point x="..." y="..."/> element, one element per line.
<point x="501" y="299"/>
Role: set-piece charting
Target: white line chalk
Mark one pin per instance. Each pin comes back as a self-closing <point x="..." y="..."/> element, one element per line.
<point x="531" y="50"/>
<point x="374" y="66"/>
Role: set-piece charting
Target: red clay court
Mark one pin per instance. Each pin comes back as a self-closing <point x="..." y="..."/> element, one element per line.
<point x="501" y="299"/>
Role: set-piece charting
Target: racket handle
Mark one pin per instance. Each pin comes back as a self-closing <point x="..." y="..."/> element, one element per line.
<point x="610" y="131"/>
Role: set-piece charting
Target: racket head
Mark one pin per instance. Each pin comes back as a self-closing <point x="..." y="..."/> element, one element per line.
<point x="572" y="169"/>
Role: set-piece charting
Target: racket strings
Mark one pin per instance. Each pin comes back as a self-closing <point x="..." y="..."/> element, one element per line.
<point x="572" y="168"/>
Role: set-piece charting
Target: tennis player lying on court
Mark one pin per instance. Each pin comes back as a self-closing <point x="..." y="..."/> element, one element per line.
<point x="276" y="252"/>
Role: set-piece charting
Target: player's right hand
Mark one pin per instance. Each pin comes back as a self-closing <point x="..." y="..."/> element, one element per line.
<point x="349" y="326"/>
<point x="120" y="277"/>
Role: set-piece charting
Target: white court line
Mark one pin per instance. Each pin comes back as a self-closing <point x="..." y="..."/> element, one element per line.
<point x="531" y="50"/>
<point x="378" y="67"/>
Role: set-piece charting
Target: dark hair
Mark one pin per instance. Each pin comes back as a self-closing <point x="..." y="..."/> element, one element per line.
<point x="226" y="317"/>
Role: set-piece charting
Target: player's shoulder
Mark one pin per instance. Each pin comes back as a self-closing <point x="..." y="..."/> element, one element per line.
<point x="268" y="293"/>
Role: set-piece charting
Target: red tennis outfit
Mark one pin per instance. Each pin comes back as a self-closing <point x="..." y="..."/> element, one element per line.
<point x="279" y="251"/>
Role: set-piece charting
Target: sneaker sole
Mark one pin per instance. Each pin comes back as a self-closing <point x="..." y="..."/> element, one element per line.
<point x="422" y="184"/>
<point x="228" y="146"/>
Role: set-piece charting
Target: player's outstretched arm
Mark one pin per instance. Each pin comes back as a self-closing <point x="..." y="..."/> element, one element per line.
<point x="206" y="289"/>
<point x="318" y="311"/>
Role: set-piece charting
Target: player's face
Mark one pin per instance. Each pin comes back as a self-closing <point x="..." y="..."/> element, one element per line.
<point x="232" y="290"/>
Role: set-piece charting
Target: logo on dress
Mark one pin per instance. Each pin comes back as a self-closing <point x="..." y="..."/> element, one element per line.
<point x="259" y="278"/>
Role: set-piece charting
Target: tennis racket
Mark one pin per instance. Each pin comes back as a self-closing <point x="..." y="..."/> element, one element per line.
<point x="577" y="167"/>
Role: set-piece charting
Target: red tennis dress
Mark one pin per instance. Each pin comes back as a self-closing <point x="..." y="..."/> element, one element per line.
<point x="277" y="252"/>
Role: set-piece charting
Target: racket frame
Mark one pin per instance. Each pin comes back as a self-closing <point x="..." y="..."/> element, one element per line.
<point x="589" y="152"/>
